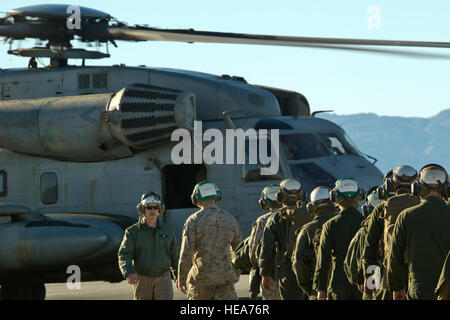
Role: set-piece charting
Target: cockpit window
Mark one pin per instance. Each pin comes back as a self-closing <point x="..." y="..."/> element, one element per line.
<point x="251" y="170"/>
<point x="337" y="145"/>
<point x="303" y="146"/>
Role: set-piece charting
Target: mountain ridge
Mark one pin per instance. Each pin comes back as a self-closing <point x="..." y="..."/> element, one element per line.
<point x="397" y="140"/>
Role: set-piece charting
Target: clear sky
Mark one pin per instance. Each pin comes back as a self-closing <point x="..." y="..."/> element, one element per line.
<point x="346" y="82"/>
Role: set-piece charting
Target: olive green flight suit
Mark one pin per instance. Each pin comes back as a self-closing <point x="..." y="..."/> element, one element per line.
<point x="374" y="246"/>
<point x="277" y="245"/>
<point x="421" y="236"/>
<point x="353" y="261"/>
<point x="443" y="286"/>
<point x="304" y="255"/>
<point x="334" y="241"/>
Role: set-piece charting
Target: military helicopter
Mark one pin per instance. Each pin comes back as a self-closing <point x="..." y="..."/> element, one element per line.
<point x="80" y="144"/>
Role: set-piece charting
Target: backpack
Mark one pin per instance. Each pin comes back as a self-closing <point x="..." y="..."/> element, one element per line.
<point x="392" y="208"/>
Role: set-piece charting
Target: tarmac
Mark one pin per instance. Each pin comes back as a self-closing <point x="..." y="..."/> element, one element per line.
<point x="100" y="290"/>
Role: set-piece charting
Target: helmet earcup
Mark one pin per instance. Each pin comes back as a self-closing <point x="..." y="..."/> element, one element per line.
<point x="280" y="196"/>
<point x="390" y="186"/>
<point x="219" y="195"/>
<point x="381" y="193"/>
<point x="365" y="210"/>
<point x="310" y="208"/>
<point x="194" y="198"/>
<point x="333" y="195"/>
<point x="415" y="188"/>
<point x="263" y="204"/>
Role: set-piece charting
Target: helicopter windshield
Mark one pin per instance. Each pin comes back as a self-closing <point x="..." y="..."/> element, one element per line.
<point x="304" y="146"/>
<point x="339" y="145"/>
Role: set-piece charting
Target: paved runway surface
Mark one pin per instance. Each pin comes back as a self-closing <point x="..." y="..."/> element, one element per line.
<point x="117" y="291"/>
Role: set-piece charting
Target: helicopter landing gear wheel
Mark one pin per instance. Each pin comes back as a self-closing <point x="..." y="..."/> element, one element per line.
<point x="22" y="291"/>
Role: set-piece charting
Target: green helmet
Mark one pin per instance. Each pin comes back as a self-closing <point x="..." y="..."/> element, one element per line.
<point x="268" y="197"/>
<point x="205" y="190"/>
<point x="345" y="188"/>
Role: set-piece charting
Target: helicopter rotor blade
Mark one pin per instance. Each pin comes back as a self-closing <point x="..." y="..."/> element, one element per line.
<point x="188" y="35"/>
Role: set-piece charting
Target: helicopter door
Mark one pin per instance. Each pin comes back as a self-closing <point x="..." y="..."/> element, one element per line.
<point x="178" y="183"/>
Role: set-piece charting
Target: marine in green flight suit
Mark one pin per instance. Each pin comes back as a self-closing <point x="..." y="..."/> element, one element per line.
<point x="306" y="246"/>
<point x="334" y="241"/>
<point x="421" y="239"/>
<point x="381" y="222"/>
<point x="278" y="241"/>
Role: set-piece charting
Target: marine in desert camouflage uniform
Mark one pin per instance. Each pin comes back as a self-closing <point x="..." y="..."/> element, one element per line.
<point x="209" y="235"/>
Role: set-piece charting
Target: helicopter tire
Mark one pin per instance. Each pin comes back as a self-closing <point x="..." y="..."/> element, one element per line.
<point x="38" y="291"/>
<point x="22" y="291"/>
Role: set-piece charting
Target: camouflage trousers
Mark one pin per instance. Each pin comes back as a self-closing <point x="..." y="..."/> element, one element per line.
<point x="214" y="292"/>
<point x="149" y="288"/>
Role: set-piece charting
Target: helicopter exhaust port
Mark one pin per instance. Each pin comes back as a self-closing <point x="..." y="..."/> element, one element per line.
<point x="95" y="127"/>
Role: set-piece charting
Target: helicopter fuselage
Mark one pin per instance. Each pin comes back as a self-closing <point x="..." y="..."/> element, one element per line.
<point x="65" y="174"/>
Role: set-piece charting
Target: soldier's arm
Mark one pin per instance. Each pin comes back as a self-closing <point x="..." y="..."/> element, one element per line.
<point x="267" y="250"/>
<point x="126" y="253"/>
<point x="187" y="251"/>
<point x="303" y="262"/>
<point x="396" y="265"/>
<point x="351" y="260"/>
<point x="255" y="237"/>
<point x="323" y="263"/>
<point x="374" y="232"/>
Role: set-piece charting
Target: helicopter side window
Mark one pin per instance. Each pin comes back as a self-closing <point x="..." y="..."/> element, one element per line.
<point x="99" y="80"/>
<point x="179" y="181"/>
<point x="303" y="146"/>
<point x="49" y="188"/>
<point x="252" y="171"/>
<point x="84" y="81"/>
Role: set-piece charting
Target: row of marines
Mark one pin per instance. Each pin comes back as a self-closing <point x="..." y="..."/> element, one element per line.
<point x="397" y="247"/>
<point x="325" y="249"/>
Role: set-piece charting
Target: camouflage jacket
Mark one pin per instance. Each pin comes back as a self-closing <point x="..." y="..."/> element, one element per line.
<point x="205" y="257"/>
<point x="422" y="232"/>
<point x="304" y="255"/>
